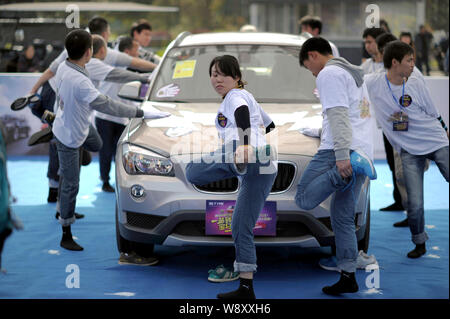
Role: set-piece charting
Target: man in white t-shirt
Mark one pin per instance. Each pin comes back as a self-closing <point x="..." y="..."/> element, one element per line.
<point x="392" y="156"/>
<point x="410" y="121"/>
<point x="344" y="157"/>
<point x="374" y="63"/>
<point x="312" y="27"/>
<point x="76" y="99"/>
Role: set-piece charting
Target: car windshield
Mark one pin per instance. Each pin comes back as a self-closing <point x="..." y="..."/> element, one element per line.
<point x="272" y="73"/>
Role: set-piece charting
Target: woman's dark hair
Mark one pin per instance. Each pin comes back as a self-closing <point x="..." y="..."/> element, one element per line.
<point x="396" y="50"/>
<point x="228" y="66"/>
<point x="77" y="42"/>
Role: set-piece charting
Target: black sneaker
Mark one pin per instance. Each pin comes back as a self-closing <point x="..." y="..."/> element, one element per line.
<point x="396" y="207"/>
<point x="418" y="251"/>
<point x="134" y="259"/>
<point x="403" y="223"/>
<point x="70" y="244"/>
<point x="346" y="284"/>
<point x="107" y="188"/>
<point x="77" y="216"/>
<point x="52" y="195"/>
<point x="42" y="136"/>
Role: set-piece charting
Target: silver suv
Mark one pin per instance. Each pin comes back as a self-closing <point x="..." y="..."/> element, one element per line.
<point x="157" y="205"/>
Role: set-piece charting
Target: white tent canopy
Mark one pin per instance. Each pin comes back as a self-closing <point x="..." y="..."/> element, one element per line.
<point x="86" y="6"/>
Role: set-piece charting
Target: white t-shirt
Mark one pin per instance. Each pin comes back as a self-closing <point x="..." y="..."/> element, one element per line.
<point x="370" y="66"/>
<point x="74" y="93"/>
<point x="226" y="124"/>
<point x="425" y="134"/>
<point x="98" y="70"/>
<point x="338" y="88"/>
<point x="225" y="121"/>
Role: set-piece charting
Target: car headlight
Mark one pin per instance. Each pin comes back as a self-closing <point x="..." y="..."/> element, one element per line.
<point x="139" y="161"/>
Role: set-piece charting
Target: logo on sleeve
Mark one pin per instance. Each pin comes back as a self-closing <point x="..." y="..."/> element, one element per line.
<point x="222" y="120"/>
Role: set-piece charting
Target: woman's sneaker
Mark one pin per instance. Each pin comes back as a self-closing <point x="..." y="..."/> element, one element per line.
<point x="362" y="164"/>
<point x="222" y="274"/>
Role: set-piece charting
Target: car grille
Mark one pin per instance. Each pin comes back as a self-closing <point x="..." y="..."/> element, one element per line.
<point x="284" y="229"/>
<point x="285" y="176"/>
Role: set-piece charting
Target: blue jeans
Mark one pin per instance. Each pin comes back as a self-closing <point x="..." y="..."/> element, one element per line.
<point x="255" y="187"/>
<point x="53" y="162"/>
<point x="320" y="180"/>
<point x="69" y="174"/>
<point x="413" y="171"/>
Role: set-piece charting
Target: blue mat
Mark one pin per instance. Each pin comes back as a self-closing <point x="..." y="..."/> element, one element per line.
<point x="36" y="265"/>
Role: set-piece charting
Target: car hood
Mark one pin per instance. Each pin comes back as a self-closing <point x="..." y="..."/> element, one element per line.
<point x="191" y="128"/>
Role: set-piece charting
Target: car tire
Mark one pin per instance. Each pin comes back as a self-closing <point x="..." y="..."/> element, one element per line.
<point x="363" y="244"/>
<point x="127" y="246"/>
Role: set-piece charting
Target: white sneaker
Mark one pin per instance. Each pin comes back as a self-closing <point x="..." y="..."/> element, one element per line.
<point x="363" y="260"/>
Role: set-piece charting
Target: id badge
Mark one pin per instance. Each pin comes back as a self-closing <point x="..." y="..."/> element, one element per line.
<point x="400" y="121"/>
<point x="401" y="126"/>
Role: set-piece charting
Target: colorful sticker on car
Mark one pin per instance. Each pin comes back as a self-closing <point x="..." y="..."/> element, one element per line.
<point x="219" y="214"/>
<point x="184" y="69"/>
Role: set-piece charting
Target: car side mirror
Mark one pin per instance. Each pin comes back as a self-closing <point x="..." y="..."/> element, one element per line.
<point x="134" y="91"/>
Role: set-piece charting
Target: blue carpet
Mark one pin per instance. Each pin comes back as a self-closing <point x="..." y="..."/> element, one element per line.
<point x="36" y="264"/>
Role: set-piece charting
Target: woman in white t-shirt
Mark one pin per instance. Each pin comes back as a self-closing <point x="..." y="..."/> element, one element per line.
<point x="241" y="124"/>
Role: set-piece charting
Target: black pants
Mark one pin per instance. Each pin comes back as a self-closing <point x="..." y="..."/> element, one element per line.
<point x="110" y="133"/>
<point x="390" y="159"/>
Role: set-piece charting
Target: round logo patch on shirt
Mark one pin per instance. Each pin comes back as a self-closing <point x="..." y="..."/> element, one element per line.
<point x="222" y="120"/>
<point x="407" y="100"/>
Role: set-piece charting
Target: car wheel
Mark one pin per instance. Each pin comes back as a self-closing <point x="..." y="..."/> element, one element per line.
<point x="363" y="244"/>
<point x="126" y="246"/>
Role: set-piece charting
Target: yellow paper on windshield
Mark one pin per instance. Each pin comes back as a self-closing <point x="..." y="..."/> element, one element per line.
<point x="184" y="69"/>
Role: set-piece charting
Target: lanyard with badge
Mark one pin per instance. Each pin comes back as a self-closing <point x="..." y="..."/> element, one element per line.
<point x="400" y="119"/>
